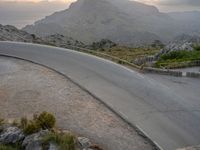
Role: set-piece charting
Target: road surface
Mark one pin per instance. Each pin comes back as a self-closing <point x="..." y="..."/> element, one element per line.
<point x="169" y="118"/>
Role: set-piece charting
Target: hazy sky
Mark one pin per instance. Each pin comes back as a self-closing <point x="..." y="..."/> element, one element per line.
<point x="23" y="12"/>
<point x="163" y="5"/>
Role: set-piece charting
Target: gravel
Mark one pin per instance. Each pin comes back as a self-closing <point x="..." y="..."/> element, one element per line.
<point x="27" y="88"/>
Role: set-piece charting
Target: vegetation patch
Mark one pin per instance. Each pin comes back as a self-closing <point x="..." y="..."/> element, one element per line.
<point x="65" y="141"/>
<point x="7" y="147"/>
<point x="40" y="133"/>
<point x="129" y="54"/>
<point x="196" y="47"/>
<point x="178" y="59"/>
<point x="44" y="121"/>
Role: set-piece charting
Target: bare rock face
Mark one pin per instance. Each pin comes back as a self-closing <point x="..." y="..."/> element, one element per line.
<point x="183" y="42"/>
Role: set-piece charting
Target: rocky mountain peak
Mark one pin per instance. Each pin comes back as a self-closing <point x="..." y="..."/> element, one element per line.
<point x="123" y="21"/>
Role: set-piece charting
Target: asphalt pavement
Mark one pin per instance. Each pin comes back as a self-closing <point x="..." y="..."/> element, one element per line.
<point x="171" y="118"/>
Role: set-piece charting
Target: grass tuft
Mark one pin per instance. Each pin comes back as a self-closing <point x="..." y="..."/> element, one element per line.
<point x="64" y="141"/>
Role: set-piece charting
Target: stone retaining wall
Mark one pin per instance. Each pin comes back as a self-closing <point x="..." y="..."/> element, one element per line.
<point x="171" y="73"/>
<point x="163" y="71"/>
<point x="193" y="74"/>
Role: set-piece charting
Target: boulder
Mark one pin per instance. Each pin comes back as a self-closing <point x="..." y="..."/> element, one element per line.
<point x="11" y="135"/>
<point x="34" y="141"/>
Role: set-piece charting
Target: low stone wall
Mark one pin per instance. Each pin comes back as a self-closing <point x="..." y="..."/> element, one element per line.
<point x="171" y="73"/>
<point x="163" y="71"/>
<point x="193" y="74"/>
<point x="196" y="62"/>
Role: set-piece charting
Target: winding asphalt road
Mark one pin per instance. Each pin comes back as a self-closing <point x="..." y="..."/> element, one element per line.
<point x="169" y="118"/>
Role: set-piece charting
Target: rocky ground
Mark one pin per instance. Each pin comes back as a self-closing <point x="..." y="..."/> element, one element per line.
<point x="15" y="137"/>
<point x="26" y="88"/>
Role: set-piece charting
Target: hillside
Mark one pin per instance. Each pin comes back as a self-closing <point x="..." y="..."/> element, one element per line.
<point x="93" y="20"/>
<point x="126" y="22"/>
<point x="189" y="21"/>
<point x="11" y="33"/>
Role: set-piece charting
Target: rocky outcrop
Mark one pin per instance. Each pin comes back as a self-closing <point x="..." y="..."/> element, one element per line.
<point x="12" y="135"/>
<point x="34" y="141"/>
<point x="11" y="33"/>
<point x="182" y="42"/>
<point x="62" y="41"/>
<point x="103" y="44"/>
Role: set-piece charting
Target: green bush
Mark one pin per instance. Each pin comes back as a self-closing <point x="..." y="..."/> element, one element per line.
<point x="46" y="120"/>
<point x="32" y="127"/>
<point x="178" y="59"/>
<point x="197" y="47"/>
<point x="174" y="55"/>
<point x="1" y="122"/>
<point x="64" y="141"/>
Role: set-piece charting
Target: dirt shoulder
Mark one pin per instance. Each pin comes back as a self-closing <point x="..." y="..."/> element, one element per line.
<point x="26" y="88"/>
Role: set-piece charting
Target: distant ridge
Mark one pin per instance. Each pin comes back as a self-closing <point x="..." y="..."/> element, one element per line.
<point x="122" y="21"/>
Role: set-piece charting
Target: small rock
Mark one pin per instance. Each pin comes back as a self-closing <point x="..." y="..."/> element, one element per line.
<point x="84" y="142"/>
<point x="11" y="135"/>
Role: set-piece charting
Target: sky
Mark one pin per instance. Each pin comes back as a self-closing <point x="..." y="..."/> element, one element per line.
<point x="24" y="12"/>
<point x="163" y="5"/>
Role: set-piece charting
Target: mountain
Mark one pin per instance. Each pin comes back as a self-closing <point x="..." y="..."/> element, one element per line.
<point x="122" y="21"/>
<point x="93" y="20"/>
<point x="189" y="22"/>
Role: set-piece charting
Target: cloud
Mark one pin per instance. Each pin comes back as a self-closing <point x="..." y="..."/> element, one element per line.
<point x="172" y="2"/>
<point x="180" y="2"/>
